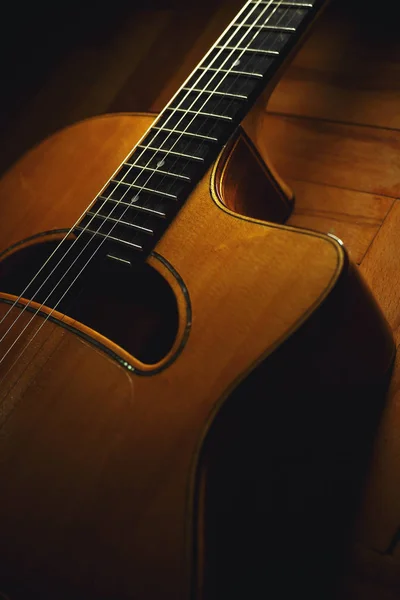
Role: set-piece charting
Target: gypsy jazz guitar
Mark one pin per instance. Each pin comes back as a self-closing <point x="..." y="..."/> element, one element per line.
<point x="169" y="347"/>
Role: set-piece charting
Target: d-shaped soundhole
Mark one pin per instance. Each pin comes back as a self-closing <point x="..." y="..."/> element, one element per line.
<point x="130" y="304"/>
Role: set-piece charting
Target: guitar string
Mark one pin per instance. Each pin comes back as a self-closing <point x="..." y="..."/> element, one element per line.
<point x="39" y="330"/>
<point x="28" y="304"/>
<point x="107" y="235"/>
<point x="117" y="170"/>
<point x="6" y="414"/>
<point x="54" y="308"/>
<point x="122" y="181"/>
<point x="72" y="283"/>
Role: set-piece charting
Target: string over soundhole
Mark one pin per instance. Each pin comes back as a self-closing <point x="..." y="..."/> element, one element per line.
<point x="129" y="303"/>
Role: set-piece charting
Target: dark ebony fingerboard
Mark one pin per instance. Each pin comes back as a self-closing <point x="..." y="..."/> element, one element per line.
<point x="137" y="206"/>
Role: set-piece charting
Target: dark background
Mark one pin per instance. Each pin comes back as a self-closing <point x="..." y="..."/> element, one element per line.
<point x="35" y="39"/>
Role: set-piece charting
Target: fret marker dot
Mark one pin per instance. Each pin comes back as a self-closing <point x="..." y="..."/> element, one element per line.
<point x="161" y="163"/>
<point x="236" y="63"/>
<point x="135" y="198"/>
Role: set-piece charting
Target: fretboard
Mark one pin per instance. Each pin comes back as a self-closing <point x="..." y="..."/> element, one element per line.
<point x="138" y="204"/>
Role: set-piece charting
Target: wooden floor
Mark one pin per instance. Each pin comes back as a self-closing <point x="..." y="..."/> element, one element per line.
<point x="333" y="132"/>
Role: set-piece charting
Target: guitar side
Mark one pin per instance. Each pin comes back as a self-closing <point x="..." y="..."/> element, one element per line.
<point x="130" y="491"/>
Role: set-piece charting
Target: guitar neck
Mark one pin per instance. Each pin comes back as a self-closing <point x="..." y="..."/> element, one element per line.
<point x="138" y="204"/>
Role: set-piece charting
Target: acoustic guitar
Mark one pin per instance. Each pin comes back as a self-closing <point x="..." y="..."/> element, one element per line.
<point x="171" y="352"/>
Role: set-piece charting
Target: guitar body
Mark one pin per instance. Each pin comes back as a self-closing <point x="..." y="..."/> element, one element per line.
<point x="122" y="445"/>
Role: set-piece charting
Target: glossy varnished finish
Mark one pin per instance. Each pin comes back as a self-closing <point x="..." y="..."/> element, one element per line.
<point x="244" y="181"/>
<point x="123" y="470"/>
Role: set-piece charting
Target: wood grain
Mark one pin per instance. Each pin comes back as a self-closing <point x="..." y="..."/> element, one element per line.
<point x="354" y="217"/>
<point x="333" y="154"/>
<point x="348" y="71"/>
<point x="381" y="268"/>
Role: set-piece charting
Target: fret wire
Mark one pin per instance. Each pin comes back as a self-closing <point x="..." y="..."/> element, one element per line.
<point x="145" y="189"/>
<point x="182" y="110"/>
<point x="188" y="156"/>
<point x="215" y="46"/>
<point x="258" y="51"/>
<point x="222" y="94"/>
<point x="136" y="206"/>
<point x="195" y="135"/>
<point x="108" y="236"/>
<point x="192" y="89"/>
<point x="263" y="51"/>
<point x="174" y="130"/>
<point x="244" y="73"/>
<point x="199" y="112"/>
<point x="284" y="3"/>
<point x="159" y="171"/>
<point x="267" y="27"/>
<point x="170" y="131"/>
<point x="177" y="109"/>
<point x="119" y="259"/>
<point x="281" y="19"/>
<point x="202" y="114"/>
<point x="113" y="219"/>
<point x="182" y="133"/>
